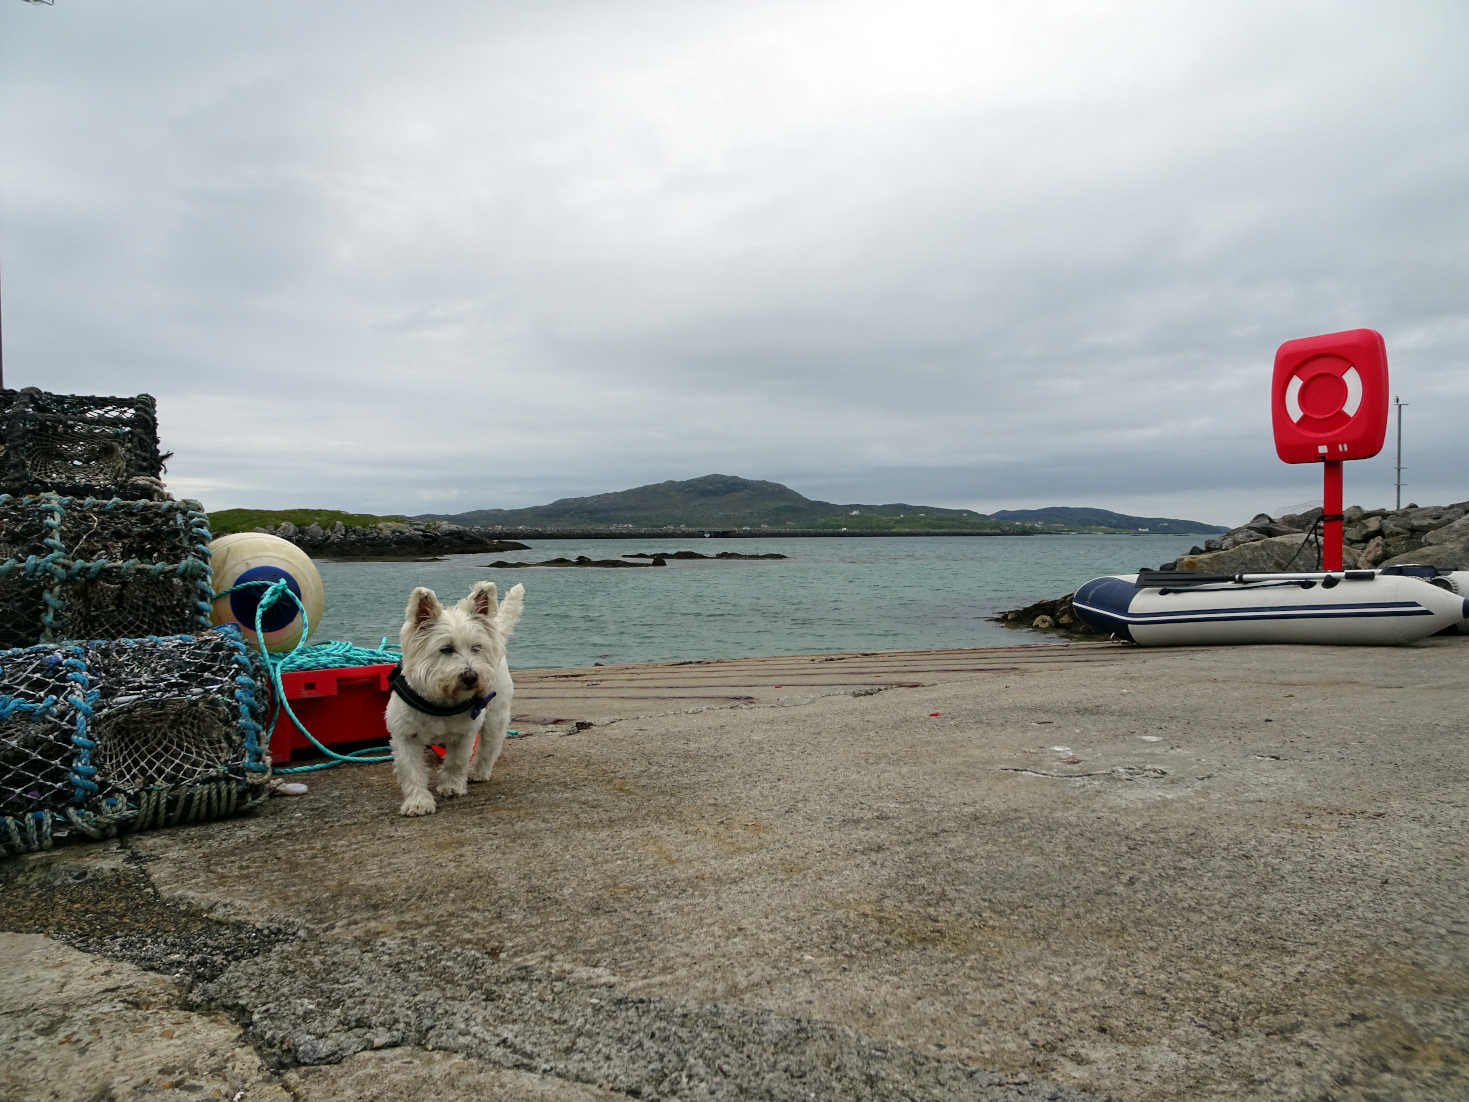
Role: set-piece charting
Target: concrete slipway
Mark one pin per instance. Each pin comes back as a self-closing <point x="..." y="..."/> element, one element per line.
<point x="1046" y="872"/>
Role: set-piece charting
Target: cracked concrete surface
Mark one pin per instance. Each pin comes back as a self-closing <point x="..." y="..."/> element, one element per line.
<point x="1029" y="872"/>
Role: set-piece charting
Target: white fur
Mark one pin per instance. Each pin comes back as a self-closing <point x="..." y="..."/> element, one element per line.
<point x="451" y="654"/>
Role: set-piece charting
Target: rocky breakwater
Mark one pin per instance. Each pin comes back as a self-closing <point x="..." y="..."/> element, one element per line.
<point x="391" y="540"/>
<point x="1435" y="535"/>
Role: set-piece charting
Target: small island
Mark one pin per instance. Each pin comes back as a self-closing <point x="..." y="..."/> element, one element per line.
<point x="580" y="560"/>
<point x="696" y="555"/>
<point x="657" y="558"/>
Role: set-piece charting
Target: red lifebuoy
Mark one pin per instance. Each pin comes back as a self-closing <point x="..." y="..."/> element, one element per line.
<point x="1323" y="394"/>
<point x="1329" y="397"/>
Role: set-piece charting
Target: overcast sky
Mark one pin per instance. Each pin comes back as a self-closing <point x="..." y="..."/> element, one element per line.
<point x="394" y="257"/>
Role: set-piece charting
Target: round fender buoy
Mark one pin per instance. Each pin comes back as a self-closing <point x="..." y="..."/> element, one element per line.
<point x="242" y="560"/>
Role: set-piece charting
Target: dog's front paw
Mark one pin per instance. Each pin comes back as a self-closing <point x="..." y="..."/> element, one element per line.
<point x="449" y="789"/>
<point x="422" y="804"/>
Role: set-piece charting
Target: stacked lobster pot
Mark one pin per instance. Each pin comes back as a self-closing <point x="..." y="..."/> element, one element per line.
<point x="121" y="708"/>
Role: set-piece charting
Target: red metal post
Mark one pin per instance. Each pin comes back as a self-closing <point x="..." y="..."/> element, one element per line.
<point x="1331" y="520"/>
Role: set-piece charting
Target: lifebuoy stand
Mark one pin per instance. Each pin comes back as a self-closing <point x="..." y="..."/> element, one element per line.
<point x="1329" y="399"/>
<point x="1331" y="515"/>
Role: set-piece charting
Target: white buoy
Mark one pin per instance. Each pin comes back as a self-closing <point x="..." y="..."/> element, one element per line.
<point x="245" y="559"/>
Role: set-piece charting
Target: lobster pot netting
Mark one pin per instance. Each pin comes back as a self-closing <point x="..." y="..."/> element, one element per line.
<point x="82" y="568"/>
<point x="129" y="734"/>
<point x="79" y="444"/>
<point x="167" y="709"/>
<point x="36" y="728"/>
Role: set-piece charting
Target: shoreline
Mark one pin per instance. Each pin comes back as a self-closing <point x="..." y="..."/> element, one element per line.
<point x="405" y="543"/>
<point x="804" y="533"/>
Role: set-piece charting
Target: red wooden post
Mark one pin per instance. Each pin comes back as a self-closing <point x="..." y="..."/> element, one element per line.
<point x="1331" y="515"/>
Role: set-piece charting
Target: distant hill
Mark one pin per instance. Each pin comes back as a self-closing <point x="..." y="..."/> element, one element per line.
<point x="724" y="501"/>
<point x="1073" y="518"/>
<point x="729" y="502"/>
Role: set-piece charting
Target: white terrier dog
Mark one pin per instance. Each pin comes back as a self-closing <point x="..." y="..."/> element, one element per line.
<point x="452" y="686"/>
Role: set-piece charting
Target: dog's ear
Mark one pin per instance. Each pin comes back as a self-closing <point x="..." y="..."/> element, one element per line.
<point x="483" y="600"/>
<point x="423" y="607"/>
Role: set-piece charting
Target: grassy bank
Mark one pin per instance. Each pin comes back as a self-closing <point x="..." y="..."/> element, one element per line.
<point x="226" y="521"/>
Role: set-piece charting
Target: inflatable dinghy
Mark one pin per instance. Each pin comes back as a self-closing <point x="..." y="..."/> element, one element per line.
<point x="1351" y="607"/>
<point x="1455" y="581"/>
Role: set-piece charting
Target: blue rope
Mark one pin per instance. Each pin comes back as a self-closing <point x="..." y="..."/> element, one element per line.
<point x="82" y="769"/>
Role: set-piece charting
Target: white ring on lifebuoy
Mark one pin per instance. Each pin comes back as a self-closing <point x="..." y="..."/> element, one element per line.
<point x="1354" y="391"/>
<point x="1293" y="398"/>
<point x="1353" y="401"/>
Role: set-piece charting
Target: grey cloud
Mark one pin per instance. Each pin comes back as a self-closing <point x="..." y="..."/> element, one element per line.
<point x="491" y="255"/>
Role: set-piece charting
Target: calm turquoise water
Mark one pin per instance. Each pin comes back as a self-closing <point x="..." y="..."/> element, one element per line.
<point x="829" y="594"/>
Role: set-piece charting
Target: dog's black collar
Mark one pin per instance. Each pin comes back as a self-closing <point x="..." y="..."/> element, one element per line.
<point x="399" y="684"/>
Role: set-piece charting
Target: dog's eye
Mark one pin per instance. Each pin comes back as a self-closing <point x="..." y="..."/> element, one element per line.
<point x="476" y="648"/>
<point x="447" y="648"/>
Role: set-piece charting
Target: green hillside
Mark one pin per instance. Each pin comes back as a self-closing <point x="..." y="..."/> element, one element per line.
<point x="724" y="501"/>
<point x="730" y="502"/>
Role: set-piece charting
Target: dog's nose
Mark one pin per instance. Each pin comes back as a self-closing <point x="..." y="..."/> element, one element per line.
<point x="467" y="678"/>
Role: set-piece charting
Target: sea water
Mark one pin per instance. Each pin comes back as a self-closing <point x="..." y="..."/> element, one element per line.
<point x="828" y="594"/>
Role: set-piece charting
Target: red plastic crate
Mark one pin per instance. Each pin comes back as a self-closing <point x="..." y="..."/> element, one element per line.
<point x="339" y="706"/>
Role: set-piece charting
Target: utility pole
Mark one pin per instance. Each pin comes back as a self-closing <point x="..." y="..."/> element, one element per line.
<point x="1397" y="402"/>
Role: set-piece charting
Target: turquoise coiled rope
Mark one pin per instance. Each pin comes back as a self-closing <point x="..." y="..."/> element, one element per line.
<point x="321" y="656"/>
